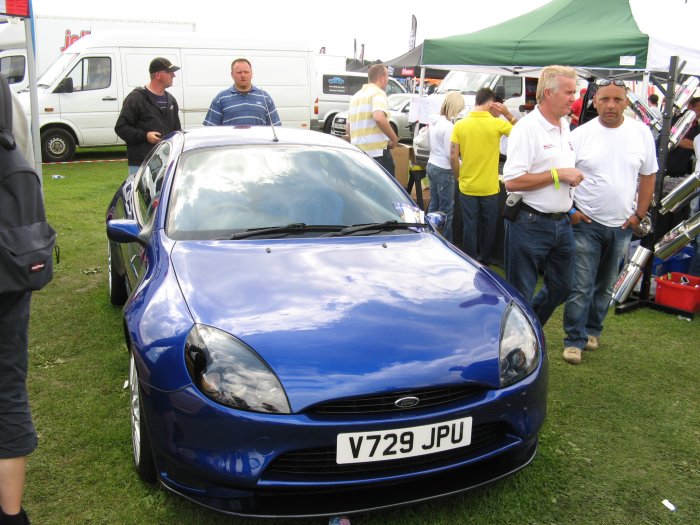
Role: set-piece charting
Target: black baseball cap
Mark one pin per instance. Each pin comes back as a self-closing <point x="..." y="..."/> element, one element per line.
<point x="161" y="64"/>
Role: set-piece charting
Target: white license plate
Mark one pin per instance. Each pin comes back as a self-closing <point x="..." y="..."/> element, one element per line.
<point x="384" y="445"/>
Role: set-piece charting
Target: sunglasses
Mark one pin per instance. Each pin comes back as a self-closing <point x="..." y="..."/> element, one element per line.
<point x="609" y="81"/>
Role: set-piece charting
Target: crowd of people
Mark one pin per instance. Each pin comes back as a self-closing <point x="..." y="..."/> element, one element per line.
<point x="576" y="193"/>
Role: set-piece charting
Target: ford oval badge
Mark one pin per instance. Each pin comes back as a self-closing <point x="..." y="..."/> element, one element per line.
<point x="407" y="402"/>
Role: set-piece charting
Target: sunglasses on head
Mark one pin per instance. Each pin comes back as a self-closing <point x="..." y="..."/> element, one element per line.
<point x="609" y="81"/>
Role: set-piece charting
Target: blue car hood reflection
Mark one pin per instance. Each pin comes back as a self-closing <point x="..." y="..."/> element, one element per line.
<point x="349" y="315"/>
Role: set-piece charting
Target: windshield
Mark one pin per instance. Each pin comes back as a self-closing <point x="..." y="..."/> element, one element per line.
<point x="56" y="69"/>
<point x="218" y="192"/>
<point x="467" y="82"/>
<point x="396" y="102"/>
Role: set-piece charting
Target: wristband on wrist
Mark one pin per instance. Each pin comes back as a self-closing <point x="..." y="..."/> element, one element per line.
<point x="513" y="120"/>
<point x="555" y="177"/>
<point x="571" y="211"/>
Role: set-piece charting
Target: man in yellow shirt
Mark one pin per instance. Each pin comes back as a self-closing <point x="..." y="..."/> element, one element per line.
<point x="476" y="139"/>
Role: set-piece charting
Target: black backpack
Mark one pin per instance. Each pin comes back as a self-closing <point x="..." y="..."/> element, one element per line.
<point x="26" y="240"/>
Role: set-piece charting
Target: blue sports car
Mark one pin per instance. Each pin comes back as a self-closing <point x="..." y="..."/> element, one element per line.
<point x="302" y="340"/>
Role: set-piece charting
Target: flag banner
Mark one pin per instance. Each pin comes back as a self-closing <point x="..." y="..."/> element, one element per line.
<point x="14" y="8"/>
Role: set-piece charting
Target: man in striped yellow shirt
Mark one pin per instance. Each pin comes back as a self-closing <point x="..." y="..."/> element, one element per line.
<point x="369" y="119"/>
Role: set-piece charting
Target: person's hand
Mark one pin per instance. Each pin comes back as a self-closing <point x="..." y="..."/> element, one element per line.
<point x="393" y="143"/>
<point x="571" y="176"/>
<point x="578" y="216"/>
<point x="153" y="137"/>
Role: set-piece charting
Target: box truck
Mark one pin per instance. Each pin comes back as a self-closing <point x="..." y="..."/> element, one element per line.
<point x="81" y="94"/>
<point x="55" y="34"/>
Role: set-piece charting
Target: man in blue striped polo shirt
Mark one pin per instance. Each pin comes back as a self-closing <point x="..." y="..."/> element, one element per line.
<point x="243" y="103"/>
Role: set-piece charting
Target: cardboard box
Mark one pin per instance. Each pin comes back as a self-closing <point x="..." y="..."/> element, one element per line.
<point x="403" y="156"/>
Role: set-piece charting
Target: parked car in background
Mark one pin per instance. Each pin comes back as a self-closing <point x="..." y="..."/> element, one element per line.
<point x="301" y="339"/>
<point x="334" y="93"/>
<point x="399" y="106"/>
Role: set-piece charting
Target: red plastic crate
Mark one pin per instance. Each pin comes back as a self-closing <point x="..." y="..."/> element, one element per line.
<point x="670" y="291"/>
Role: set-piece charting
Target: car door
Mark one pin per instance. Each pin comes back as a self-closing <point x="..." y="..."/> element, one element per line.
<point x="92" y="106"/>
<point x="147" y="188"/>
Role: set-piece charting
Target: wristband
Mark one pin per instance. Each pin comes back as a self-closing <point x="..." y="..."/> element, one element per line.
<point x="555" y="177"/>
<point x="513" y="120"/>
<point x="571" y="211"/>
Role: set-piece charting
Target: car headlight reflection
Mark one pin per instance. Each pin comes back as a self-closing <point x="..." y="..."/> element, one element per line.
<point x="519" y="350"/>
<point x="231" y="373"/>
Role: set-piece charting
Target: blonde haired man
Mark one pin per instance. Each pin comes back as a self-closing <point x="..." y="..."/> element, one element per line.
<point x="368" y="118"/>
<point x="540" y="168"/>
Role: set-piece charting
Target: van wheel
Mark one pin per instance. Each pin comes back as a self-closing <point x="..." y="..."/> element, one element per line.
<point x="328" y="124"/>
<point x="57" y="145"/>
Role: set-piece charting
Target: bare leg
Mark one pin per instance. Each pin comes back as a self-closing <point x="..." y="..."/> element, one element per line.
<point x="12" y="484"/>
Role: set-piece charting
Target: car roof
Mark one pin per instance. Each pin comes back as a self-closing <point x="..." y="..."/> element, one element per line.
<point x="209" y="136"/>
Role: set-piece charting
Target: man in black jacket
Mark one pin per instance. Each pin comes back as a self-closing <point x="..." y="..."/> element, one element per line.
<point x="149" y="113"/>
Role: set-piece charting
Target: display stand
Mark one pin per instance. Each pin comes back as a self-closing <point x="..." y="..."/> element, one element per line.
<point x="642" y="298"/>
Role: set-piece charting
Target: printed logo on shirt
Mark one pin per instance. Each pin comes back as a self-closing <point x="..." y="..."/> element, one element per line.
<point x="549" y="146"/>
<point x="571" y="146"/>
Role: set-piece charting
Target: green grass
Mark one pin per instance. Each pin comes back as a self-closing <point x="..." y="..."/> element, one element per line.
<point x="622" y="432"/>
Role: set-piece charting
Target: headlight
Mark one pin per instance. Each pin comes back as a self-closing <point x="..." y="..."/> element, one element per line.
<point x="519" y="351"/>
<point x="231" y="373"/>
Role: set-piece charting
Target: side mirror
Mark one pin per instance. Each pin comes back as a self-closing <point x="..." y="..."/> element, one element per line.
<point x="437" y="220"/>
<point x="126" y="231"/>
<point x="64" y="86"/>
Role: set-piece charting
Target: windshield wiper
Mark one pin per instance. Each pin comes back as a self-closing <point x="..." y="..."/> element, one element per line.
<point x="378" y="226"/>
<point x="297" y="227"/>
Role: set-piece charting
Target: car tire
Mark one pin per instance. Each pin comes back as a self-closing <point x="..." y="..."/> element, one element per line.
<point x="57" y="145"/>
<point x="141" y="443"/>
<point x="328" y="124"/>
<point x="117" y="283"/>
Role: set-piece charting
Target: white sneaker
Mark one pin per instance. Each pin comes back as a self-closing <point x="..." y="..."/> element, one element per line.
<point x="593" y="343"/>
<point x="572" y="355"/>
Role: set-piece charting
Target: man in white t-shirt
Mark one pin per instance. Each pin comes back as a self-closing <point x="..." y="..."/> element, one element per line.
<point x="617" y="157"/>
<point x="540" y="168"/>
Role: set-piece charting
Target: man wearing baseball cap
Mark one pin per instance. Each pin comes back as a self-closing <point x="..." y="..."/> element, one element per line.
<point x="149" y="113"/>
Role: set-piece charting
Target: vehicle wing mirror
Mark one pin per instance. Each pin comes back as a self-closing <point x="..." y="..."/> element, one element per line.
<point x="500" y="91"/>
<point x="126" y="231"/>
<point x="65" y="86"/>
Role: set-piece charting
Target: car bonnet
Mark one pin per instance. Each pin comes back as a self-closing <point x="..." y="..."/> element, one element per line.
<point x="349" y="315"/>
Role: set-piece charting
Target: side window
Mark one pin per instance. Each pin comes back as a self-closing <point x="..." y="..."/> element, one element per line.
<point x="13" y="67"/>
<point x="393" y="88"/>
<point x="355" y="84"/>
<point x="150" y="183"/>
<point x="514" y="86"/>
<point x="92" y="73"/>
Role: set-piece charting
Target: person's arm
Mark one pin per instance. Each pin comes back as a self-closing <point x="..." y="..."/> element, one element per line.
<point x="215" y="115"/>
<point x="534" y="181"/>
<point x="644" y="194"/>
<point x="126" y="128"/>
<point x="385" y="127"/>
<point x="454" y="159"/>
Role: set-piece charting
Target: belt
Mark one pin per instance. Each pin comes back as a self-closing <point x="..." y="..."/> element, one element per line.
<point x="554" y="216"/>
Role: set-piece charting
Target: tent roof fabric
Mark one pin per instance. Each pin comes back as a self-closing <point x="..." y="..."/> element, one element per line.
<point x="582" y="33"/>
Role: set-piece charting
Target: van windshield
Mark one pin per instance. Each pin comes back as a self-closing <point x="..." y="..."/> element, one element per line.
<point x="467" y="82"/>
<point x="56" y="69"/>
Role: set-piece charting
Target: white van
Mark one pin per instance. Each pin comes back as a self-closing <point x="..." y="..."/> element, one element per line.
<point x="335" y="91"/>
<point x="81" y="94"/>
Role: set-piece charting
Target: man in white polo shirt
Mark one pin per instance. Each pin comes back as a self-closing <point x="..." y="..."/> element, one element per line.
<point x="616" y="154"/>
<point x="540" y="168"/>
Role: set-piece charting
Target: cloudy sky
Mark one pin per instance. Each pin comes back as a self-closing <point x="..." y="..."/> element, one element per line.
<point x="318" y="22"/>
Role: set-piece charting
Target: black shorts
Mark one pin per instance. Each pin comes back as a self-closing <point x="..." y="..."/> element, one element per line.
<point x="17" y="434"/>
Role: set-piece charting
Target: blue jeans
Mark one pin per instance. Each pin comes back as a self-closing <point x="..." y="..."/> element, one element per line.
<point x="535" y="243"/>
<point x="599" y="250"/>
<point x="479" y="225"/>
<point x="442" y="187"/>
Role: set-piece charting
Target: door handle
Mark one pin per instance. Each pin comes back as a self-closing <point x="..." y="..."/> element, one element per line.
<point x="109" y="99"/>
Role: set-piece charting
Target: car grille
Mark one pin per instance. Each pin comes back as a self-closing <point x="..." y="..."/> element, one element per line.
<point x="320" y="465"/>
<point x="385" y="403"/>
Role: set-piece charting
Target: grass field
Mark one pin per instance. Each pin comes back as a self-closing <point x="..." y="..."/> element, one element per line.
<point x="622" y="432"/>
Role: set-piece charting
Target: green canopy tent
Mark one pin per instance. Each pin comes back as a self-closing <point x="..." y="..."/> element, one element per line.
<point x="592" y="35"/>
